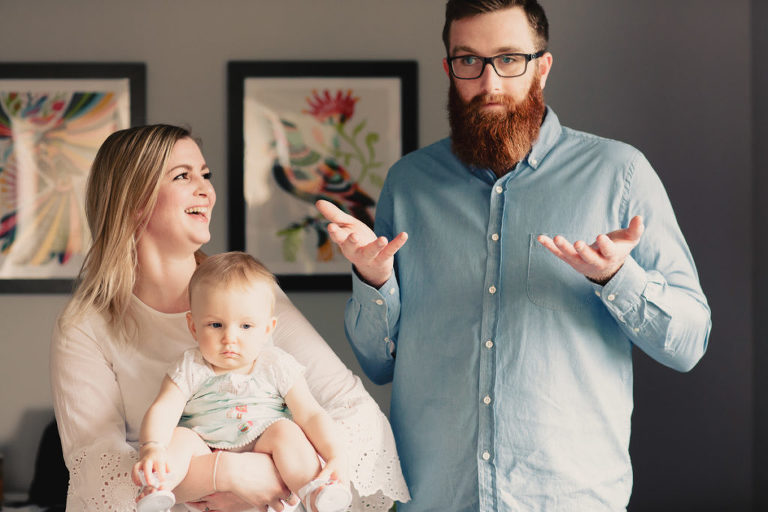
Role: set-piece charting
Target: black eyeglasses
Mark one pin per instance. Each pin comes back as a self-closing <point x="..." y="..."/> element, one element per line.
<point x="506" y="65"/>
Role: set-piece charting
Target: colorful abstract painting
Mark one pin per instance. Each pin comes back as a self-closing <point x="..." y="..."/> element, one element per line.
<point x="306" y="138"/>
<point x="50" y="131"/>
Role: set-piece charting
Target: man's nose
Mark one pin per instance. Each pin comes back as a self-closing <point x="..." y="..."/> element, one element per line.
<point x="490" y="81"/>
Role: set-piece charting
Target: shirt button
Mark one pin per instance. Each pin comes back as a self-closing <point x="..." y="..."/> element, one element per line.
<point x="499" y="190"/>
<point x="597" y="292"/>
<point x="495" y="237"/>
<point x="636" y="329"/>
<point x="489" y="344"/>
<point x="611" y="297"/>
<point x="379" y="302"/>
<point x="487" y="400"/>
<point x="391" y="291"/>
<point x="486" y="455"/>
<point x="387" y="339"/>
<point x="492" y="289"/>
<point x="534" y="161"/>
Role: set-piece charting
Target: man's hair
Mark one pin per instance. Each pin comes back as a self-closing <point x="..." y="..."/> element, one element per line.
<point x="232" y="269"/>
<point x="459" y="9"/>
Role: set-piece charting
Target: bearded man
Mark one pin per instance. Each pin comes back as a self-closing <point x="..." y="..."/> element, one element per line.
<point x="508" y="336"/>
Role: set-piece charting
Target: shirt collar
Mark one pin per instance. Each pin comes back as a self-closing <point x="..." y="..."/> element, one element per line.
<point x="549" y="134"/>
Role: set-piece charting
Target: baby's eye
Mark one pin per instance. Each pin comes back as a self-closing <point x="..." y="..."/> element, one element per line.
<point x="215" y="325"/>
<point x="247" y="326"/>
<point x="207" y="175"/>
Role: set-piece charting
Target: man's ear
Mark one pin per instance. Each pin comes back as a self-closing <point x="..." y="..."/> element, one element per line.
<point x="191" y="325"/>
<point x="545" y="65"/>
<point x="445" y="67"/>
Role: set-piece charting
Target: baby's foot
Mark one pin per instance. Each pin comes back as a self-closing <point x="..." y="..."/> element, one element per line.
<point x="326" y="496"/>
<point x="152" y="499"/>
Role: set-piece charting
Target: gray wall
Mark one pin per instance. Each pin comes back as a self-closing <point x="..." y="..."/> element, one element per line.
<point x="672" y="78"/>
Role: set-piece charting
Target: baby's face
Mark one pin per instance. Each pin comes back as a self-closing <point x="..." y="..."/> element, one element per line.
<point x="231" y="324"/>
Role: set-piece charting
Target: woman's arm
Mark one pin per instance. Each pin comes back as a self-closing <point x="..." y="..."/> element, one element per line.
<point x="89" y="414"/>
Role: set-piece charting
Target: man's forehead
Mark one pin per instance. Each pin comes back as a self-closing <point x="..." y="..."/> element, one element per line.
<point x="503" y="31"/>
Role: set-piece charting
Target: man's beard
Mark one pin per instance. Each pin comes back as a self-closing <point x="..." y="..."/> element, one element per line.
<point x="494" y="140"/>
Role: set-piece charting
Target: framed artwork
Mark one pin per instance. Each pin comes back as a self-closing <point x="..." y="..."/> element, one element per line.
<point x="300" y="131"/>
<point x="53" y="118"/>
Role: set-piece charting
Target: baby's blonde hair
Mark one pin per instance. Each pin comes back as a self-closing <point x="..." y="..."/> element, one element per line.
<point x="233" y="269"/>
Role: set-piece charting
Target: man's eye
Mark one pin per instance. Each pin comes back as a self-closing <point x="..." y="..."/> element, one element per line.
<point x="468" y="60"/>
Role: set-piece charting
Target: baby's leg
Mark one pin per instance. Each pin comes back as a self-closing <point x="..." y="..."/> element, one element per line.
<point x="184" y="445"/>
<point x="293" y="454"/>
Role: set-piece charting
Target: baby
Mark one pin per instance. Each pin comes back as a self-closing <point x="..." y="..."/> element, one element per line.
<point x="238" y="392"/>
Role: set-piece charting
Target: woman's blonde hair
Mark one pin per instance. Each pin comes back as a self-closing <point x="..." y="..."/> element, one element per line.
<point x="120" y="195"/>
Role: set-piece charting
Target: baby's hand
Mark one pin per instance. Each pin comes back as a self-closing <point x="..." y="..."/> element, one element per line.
<point x="335" y="469"/>
<point x="152" y="464"/>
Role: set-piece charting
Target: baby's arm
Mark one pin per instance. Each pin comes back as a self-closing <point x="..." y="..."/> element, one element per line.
<point x="156" y="431"/>
<point x="320" y="430"/>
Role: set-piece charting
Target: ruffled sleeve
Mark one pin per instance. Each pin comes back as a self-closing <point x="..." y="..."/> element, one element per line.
<point x="376" y="476"/>
<point x="89" y="413"/>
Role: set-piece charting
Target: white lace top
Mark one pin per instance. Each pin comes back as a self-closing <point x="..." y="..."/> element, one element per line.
<point x="101" y="392"/>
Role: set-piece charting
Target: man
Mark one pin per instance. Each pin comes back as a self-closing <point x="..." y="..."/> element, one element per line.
<point x="509" y="347"/>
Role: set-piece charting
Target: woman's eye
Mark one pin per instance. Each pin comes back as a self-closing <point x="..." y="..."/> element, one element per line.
<point x="182" y="176"/>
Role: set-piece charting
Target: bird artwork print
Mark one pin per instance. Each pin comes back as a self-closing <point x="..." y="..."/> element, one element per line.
<point x="310" y="175"/>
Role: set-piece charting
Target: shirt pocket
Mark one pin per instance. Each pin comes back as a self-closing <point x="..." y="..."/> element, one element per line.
<point x="552" y="283"/>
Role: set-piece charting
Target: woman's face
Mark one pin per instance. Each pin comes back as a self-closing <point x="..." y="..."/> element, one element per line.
<point x="182" y="214"/>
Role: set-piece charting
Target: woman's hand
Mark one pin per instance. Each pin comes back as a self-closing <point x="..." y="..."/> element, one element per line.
<point x="243" y="481"/>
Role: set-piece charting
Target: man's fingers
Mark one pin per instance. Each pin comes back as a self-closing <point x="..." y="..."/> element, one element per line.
<point x="636" y="227"/>
<point x="549" y="244"/>
<point x="587" y="254"/>
<point x="333" y="213"/>
<point x="605" y="246"/>
<point x="389" y="250"/>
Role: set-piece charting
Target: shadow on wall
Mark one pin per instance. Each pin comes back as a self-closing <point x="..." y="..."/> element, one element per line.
<point x="20" y="450"/>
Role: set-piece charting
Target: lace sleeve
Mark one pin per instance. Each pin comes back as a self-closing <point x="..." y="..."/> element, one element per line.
<point x="376" y="475"/>
<point x="100" y="479"/>
<point x="89" y="414"/>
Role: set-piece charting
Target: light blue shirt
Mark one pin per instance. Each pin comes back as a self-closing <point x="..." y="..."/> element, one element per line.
<point x="511" y="372"/>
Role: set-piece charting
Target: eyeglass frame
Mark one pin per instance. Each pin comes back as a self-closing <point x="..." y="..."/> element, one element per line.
<point x="489" y="60"/>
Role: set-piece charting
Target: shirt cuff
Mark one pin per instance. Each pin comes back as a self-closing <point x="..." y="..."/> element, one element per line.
<point x="371" y="298"/>
<point x="622" y="295"/>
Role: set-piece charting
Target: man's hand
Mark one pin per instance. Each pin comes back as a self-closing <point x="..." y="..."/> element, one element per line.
<point x="600" y="261"/>
<point x="373" y="257"/>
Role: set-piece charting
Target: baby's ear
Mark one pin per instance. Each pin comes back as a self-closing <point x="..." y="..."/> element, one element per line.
<point x="191" y="325"/>
<point x="271" y="324"/>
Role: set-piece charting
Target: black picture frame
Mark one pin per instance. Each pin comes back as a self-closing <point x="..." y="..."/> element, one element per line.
<point x="30" y="81"/>
<point x="291" y="78"/>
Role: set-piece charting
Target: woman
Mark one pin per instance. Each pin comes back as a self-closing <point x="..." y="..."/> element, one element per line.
<point x="148" y="203"/>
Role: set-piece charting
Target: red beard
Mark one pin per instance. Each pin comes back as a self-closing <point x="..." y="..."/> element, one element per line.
<point x="495" y="140"/>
